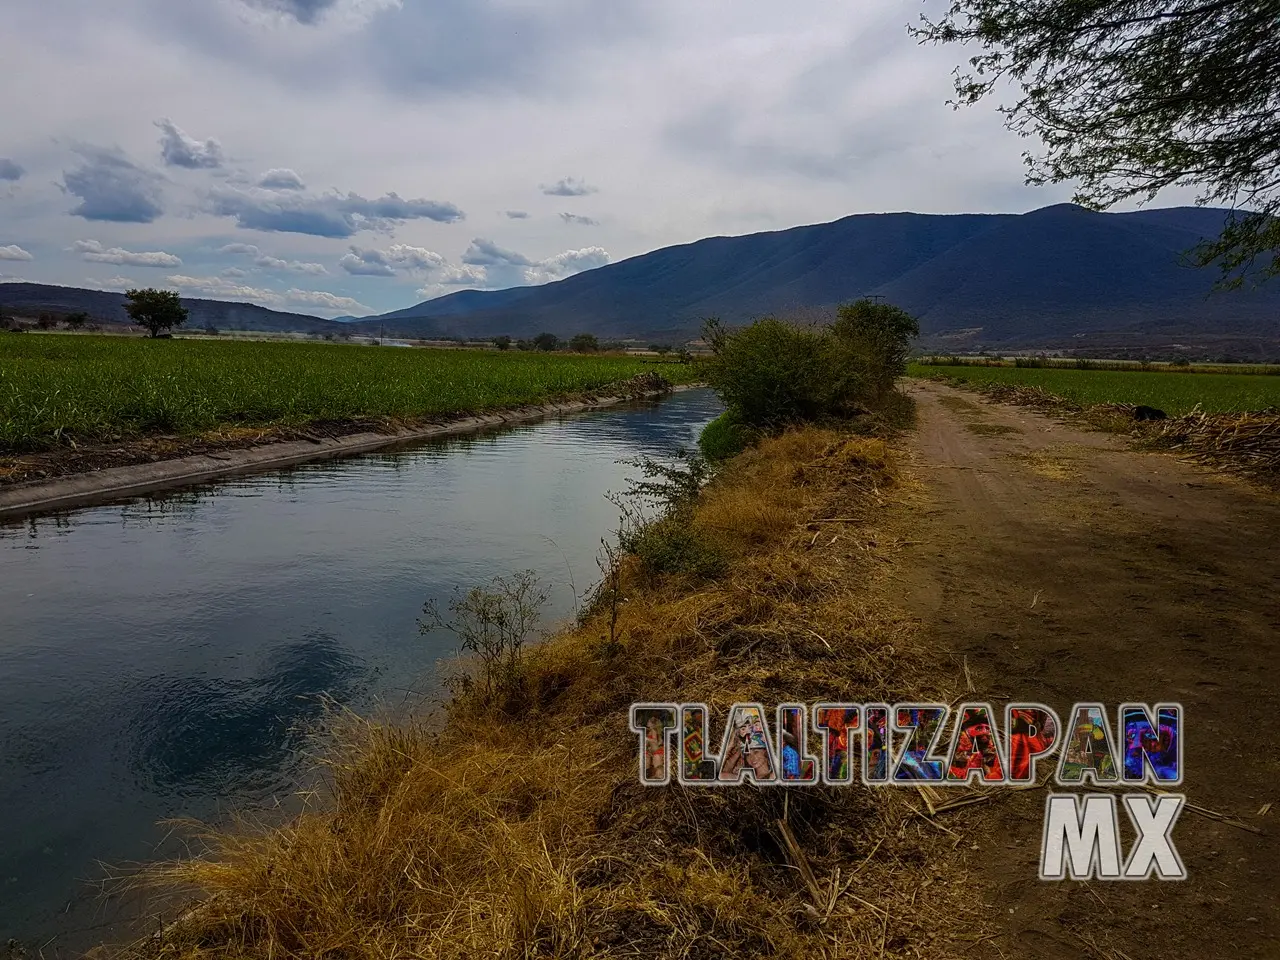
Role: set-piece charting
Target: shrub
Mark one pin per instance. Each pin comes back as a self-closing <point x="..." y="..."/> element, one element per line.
<point x="773" y="373"/>
<point x="503" y="342"/>
<point x="546" y="341"/>
<point x="493" y="623"/>
<point x="880" y="334"/>
<point x="723" y="437"/>
<point x="584" y="343"/>
<point x="671" y="544"/>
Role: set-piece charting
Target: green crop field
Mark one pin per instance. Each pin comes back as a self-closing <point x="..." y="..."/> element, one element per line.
<point x="88" y="388"/>
<point x="1175" y="393"/>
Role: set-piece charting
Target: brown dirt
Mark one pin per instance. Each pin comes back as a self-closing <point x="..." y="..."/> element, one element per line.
<point x="1066" y="567"/>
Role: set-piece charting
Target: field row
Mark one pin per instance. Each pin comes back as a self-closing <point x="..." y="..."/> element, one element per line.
<point x="1171" y="392"/>
<point x="90" y="388"/>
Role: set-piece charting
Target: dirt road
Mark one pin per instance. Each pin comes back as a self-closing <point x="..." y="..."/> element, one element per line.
<point x="1067" y="568"/>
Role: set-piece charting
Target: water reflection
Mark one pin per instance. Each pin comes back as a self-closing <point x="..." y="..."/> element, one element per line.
<point x="161" y="658"/>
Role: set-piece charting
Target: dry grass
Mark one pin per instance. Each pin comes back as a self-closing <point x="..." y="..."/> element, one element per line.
<point x="532" y="837"/>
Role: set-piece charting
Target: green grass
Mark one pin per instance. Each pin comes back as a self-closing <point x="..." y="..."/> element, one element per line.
<point x="89" y="388"/>
<point x="1173" y="393"/>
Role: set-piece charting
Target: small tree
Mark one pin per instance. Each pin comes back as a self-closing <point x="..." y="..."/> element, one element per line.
<point x="881" y="335"/>
<point x="155" y="310"/>
<point x="77" y="320"/>
<point x="546" y="341"/>
<point x="661" y="349"/>
<point x="503" y="342"/>
<point x="584" y="343"/>
<point x="46" y="321"/>
<point x="772" y="373"/>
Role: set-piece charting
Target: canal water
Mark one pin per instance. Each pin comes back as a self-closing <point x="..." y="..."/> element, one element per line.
<point x="162" y="658"/>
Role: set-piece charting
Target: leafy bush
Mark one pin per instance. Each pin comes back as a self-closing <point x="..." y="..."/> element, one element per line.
<point x="584" y="343"/>
<point x="723" y="437"/>
<point x="880" y="335"/>
<point x="672" y="545"/>
<point x="773" y="373"/>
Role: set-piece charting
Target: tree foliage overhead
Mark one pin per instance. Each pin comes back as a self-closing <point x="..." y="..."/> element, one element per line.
<point x="1131" y="96"/>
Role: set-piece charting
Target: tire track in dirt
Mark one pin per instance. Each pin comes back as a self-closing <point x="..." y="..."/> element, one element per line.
<point x="1066" y="567"/>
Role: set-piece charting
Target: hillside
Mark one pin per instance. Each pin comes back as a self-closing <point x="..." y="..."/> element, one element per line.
<point x="1057" y="274"/>
<point x="107" y="307"/>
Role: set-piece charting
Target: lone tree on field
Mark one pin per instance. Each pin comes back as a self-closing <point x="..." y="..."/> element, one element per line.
<point x="503" y="342"/>
<point x="546" y="341"/>
<point x="584" y="343"/>
<point x="155" y="310"/>
<point x="77" y="320"/>
<point x="1130" y="96"/>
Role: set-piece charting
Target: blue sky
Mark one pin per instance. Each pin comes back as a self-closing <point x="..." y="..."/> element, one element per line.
<point x="355" y="156"/>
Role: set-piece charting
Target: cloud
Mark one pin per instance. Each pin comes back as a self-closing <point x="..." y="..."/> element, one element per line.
<point x="334" y="215"/>
<point x="568" y="187"/>
<point x="363" y="262"/>
<point x="487" y="266"/>
<point x="311" y="12"/>
<point x="567" y="264"/>
<point x="10" y="170"/>
<point x="574" y="218"/>
<point x="517" y="215"/>
<point x="94" y="252"/>
<point x="115" y="283"/>
<point x="268" y="262"/>
<point x="226" y="288"/>
<point x="245" y="248"/>
<point x="486" y="253"/>
<point x="234" y="273"/>
<point x="112" y="187"/>
<point x="367" y="263"/>
<point x="180" y="150"/>
<point x="14" y="252"/>
<point x="281" y="178"/>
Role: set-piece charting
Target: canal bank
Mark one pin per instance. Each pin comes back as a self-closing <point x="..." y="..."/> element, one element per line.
<point x="94" y="486"/>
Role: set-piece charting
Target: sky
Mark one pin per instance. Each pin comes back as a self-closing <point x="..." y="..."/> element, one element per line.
<point x="349" y="157"/>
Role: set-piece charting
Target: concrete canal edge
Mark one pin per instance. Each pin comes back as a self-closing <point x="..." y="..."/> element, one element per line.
<point x="117" y="483"/>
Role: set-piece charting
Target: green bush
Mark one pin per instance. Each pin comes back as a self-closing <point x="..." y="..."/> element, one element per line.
<point x="773" y="373"/>
<point x="723" y="437"/>
<point x="672" y="545"/>
<point x="879" y="335"/>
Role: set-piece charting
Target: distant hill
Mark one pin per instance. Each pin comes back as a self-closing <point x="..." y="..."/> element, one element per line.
<point x="1062" y="272"/>
<point x="1059" y="277"/>
<point x="107" y="307"/>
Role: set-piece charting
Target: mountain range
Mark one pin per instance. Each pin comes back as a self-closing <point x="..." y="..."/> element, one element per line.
<point x="1058" y="276"/>
<point x="1062" y="272"/>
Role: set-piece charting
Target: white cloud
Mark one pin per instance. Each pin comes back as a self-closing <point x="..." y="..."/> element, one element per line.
<point x="180" y="150"/>
<point x="281" y="178"/>
<point x="115" y="283"/>
<point x="226" y="288"/>
<point x="364" y="262"/>
<point x="94" y="252"/>
<point x="14" y="252"/>
<point x="487" y="266"/>
<point x="268" y="262"/>
<point x="576" y="218"/>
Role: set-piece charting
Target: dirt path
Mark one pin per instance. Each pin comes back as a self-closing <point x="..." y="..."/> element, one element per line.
<point x="1068" y="568"/>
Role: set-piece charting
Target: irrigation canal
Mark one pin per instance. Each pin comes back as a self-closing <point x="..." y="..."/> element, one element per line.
<point x="161" y="658"/>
